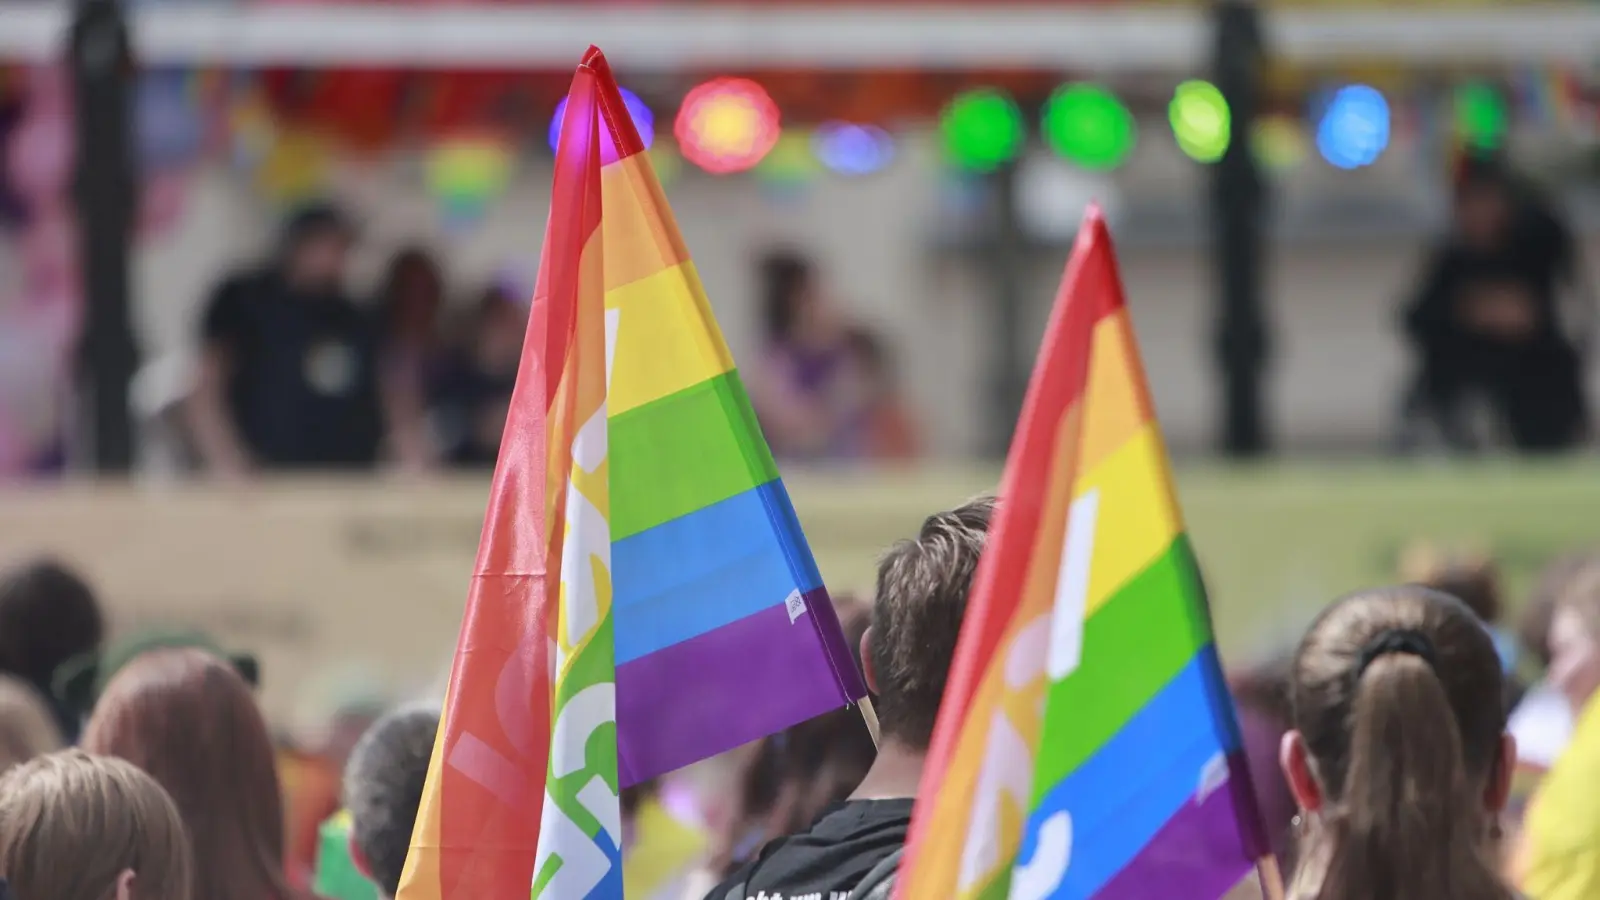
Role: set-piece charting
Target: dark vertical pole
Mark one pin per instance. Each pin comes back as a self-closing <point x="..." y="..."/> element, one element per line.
<point x="101" y="62"/>
<point x="1239" y="204"/>
<point x="1012" y="363"/>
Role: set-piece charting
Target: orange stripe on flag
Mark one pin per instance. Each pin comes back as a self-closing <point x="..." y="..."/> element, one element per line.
<point x="641" y="237"/>
<point x="988" y="786"/>
<point x="972" y="778"/>
<point x="1118" y="405"/>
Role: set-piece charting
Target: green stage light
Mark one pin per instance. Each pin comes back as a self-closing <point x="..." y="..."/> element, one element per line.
<point x="982" y="129"/>
<point x="1481" y="116"/>
<point x="1200" y="120"/>
<point x="1088" y="126"/>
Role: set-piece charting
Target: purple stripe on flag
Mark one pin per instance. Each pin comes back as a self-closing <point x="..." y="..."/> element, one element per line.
<point x="826" y="620"/>
<point x="1197" y="855"/>
<point x="727" y="687"/>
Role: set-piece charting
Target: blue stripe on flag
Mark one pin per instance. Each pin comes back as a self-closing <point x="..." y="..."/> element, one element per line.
<point x="708" y="569"/>
<point x="1122" y="795"/>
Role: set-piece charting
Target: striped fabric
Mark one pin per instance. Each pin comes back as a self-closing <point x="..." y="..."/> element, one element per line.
<point x="725" y="633"/>
<point x="643" y="596"/>
<point x="1087" y="745"/>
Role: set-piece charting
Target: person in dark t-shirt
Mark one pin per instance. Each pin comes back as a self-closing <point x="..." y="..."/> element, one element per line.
<point x="1487" y="319"/>
<point x="288" y="375"/>
<point x="906" y="653"/>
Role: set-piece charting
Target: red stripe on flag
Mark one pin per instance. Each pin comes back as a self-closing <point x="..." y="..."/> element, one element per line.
<point x="624" y="134"/>
<point x="1059" y="381"/>
<point x="496" y="727"/>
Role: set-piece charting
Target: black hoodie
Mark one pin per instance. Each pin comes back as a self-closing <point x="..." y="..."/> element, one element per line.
<point x="827" y="861"/>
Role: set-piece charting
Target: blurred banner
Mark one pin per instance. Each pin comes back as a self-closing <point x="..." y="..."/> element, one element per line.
<point x="664" y="36"/>
<point x="317" y="576"/>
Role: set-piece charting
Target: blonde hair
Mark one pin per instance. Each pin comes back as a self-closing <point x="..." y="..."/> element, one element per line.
<point x="27" y="729"/>
<point x="71" y="823"/>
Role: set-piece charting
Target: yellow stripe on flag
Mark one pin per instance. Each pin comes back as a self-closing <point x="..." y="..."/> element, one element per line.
<point x="1117" y="405"/>
<point x="1137" y="518"/>
<point x="667" y="338"/>
<point x="641" y="237"/>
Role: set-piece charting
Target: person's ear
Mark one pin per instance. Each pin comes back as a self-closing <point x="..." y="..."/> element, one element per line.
<point x="125" y="881"/>
<point x="1498" y="792"/>
<point x="357" y="858"/>
<point x="866" y="661"/>
<point x="1296" y="763"/>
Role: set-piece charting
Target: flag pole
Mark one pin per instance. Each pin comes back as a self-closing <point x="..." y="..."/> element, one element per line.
<point x="1271" y="877"/>
<point x="870" y="716"/>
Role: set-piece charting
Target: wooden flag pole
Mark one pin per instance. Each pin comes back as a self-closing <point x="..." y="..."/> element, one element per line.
<point x="1271" y="877"/>
<point x="870" y="716"/>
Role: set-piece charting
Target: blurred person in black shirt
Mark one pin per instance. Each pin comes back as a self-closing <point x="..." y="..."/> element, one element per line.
<point x="473" y="392"/>
<point x="288" y="376"/>
<point x="920" y="601"/>
<point x="1487" y="321"/>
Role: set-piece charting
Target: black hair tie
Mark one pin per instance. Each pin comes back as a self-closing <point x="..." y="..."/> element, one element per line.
<point x="1395" y="640"/>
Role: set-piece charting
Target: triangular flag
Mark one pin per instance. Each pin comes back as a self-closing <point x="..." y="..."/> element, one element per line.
<point x="643" y="597"/>
<point x="1086" y="745"/>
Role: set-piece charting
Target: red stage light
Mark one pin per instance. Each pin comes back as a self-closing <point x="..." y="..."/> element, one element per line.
<point x="726" y="125"/>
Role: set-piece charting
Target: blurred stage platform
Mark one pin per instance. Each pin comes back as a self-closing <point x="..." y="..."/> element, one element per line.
<point x="317" y="574"/>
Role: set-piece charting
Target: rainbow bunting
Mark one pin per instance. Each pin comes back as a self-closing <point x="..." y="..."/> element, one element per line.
<point x="1086" y="746"/>
<point x="643" y="597"/>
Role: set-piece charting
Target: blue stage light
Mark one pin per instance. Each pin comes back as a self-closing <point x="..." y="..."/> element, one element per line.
<point x="1354" y="129"/>
<point x="851" y="149"/>
<point x="643" y="119"/>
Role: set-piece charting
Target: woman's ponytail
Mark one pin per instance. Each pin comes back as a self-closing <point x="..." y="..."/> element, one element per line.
<point x="1408" y="822"/>
<point x="1399" y="710"/>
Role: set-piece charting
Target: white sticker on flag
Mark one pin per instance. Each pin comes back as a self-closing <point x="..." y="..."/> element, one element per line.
<point x="1072" y="587"/>
<point x="1212" y="776"/>
<point x="796" y="605"/>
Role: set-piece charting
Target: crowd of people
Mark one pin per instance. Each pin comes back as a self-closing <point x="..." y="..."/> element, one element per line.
<point x="1411" y="747"/>
<point x="295" y="373"/>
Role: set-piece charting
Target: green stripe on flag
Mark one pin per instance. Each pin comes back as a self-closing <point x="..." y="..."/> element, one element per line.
<point x="684" y="452"/>
<point x="1132" y="646"/>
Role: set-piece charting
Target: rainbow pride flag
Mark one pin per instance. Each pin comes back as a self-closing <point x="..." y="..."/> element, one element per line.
<point x="1086" y="746"/>
<point x="643" y="597"/>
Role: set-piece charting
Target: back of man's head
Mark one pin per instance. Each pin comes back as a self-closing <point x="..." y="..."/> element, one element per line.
<point x="48" y="615"/>
<point x="383" y="784"/>
<point x="916" y="617"/>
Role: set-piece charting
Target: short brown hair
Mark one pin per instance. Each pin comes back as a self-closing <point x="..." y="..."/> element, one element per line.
<point x="186" y="717"/>
<point x="916" y="617"/>
<point x="70" y="823"/>
<point x="1472" y="578"/>
<point x="1397" y="695"/>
